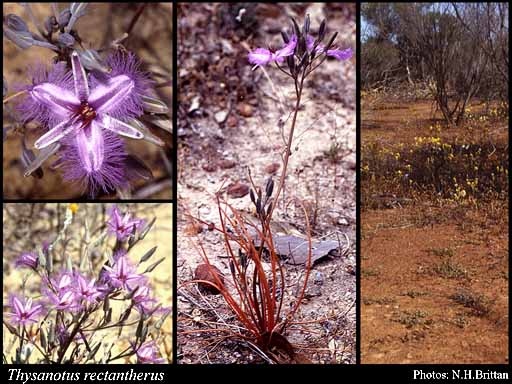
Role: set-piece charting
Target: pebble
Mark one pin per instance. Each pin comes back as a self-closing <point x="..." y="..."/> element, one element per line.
<point x="226" y="164"/>
<point x="245" y="109"/>
<point x="221" y="116"/>
<point x="319" y="278"/>
<point x="238" y="190"/>
<point x="271" y="169"/>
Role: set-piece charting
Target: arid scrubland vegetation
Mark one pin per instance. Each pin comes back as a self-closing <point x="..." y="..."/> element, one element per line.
<point x="434" y="183"/>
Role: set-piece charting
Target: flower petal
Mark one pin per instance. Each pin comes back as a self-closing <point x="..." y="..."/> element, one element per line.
<point x="121" y="128"/>
<point x="34" y="311"/>
<point x="90" y="146"/>
<point x="57" y="133"/>
<point x="260" y="56"/>
<point x="340" y="54"/>
<point x="80" y="78"/>
<point x="59" y="100"/>
<point x="310" y="42"/>
<point x="287" y="50"/>
<point x="108" y="96"/>
<point x="19" y="308"/>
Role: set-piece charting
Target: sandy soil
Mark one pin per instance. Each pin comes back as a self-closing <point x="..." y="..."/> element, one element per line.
<point x="150" y="40"/>
<point x="422" y="264"/>
<point x="213" y="155"/>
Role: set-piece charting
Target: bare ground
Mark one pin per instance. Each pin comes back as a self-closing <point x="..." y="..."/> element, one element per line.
<point x="434" y="278"/>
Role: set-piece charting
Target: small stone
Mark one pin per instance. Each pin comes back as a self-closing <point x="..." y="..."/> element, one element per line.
<point x="221" y="116"/>
<point x="205" y="272"/>
<point x="343" y="221"/>
<point x="245" y="110"/>
<point x="319" y="278"/>
<point x="232" y="121"/>
<point x="238" y="190"/>
<point x="315" y="291"/>
<point x="210" y="166"/>
<point x="271" y="169"/>
<point x="226" y="164"/>
<point x="193" y="228"/>
<point x="195" y="104"/>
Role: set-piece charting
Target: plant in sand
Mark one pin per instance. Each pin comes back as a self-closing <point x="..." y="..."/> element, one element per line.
<point x="255" y="293"/>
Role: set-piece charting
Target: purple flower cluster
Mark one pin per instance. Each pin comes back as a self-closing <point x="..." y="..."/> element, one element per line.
<point x="86" y="114"/>
<point x="77" y="293"/>
<point x="123" y="225"/>
<point x="262" y="56"/>
<point x="72" y="291"/>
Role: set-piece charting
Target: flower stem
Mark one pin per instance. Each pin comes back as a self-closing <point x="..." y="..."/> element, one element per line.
<point x="21" y="340"/>
<point x="288" y="145"/>
<point x="71" y="337"/>
<point x="135" y="18"/>
<point x="14" y="95"/>
<point x="32" y="18"/>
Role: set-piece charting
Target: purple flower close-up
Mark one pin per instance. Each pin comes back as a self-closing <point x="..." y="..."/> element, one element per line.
<point x="121" y="225"/>
<point x="142" y="299"/>
<point x="262" y="56"/>
<point x="27" y="259"/>
<point x="62" y="283"/>
<point x="147" y="353"/>
<point x="87" y="289"/>
<point x="87" y="114"/>
<point x="25" y="311"/>
<point x="123" y="274"/>
<point x="340" y="54"/>
<point x="65" y="301"/>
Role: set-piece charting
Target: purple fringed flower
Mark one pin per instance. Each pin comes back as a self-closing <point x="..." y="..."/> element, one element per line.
<point x="31" y="108"/>
<point x="147" y="353"/>
<point x="110" y="176"/>
<point x="27" y="259"/>
<point x="86" y="114"/>
<point x="121" y="225"/>
<point x="123" y="274"/>
<point x="340" y="54"/>
<point x="25" y="311"/>
<point x="262" y="56"/>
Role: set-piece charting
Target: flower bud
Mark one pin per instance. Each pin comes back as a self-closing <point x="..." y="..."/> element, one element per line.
<point x="91" y="60"/>
<point x="66" y="40"/>
<point x="305" y="28"/>
<point x="321" y="31"/>
<point x="16" y="23"/>
<point x="64" y="17"/>
<point x="22" y="39"/>
<point x="50" y="24"/>
<point x="285" y="36"/>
